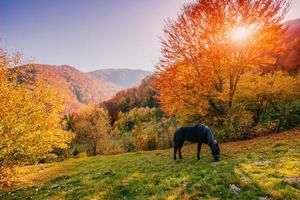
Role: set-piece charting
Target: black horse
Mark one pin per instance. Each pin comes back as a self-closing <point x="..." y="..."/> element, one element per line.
<point x="198" y="133"/>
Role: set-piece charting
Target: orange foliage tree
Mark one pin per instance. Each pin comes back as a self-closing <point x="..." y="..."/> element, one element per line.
<point x="210" y="46"/>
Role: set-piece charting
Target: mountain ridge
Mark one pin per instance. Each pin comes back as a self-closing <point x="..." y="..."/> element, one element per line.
<point x="124" y="77"/>
<point x="75" y="87"/>
<point x="78" y="88"/>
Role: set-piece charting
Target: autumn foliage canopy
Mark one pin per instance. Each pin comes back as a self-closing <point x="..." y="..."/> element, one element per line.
<point x="210" y="46"/>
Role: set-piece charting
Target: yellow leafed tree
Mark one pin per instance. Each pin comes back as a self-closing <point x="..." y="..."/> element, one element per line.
<point x="29" y="117"/>
<point x="92" y="127"/>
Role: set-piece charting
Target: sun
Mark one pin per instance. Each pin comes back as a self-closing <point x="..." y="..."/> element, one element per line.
<point x="240" y="34"/>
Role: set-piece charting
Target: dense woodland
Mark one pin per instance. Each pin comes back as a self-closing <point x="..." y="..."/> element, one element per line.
<point x="240" y="92"/>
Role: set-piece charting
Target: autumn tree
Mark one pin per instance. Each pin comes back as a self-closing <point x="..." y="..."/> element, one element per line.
<point x="210" y="46"/>
<point x="92" y="127"/>
<point x="29" y="117"/>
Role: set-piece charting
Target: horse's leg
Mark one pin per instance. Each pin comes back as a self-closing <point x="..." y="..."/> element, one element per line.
<point x="180" y="152"/>
<point x="175" y="152"/>
<point x="198" y="150"/>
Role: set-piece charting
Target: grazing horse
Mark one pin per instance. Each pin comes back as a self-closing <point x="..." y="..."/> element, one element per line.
<point x="198" y="133"/>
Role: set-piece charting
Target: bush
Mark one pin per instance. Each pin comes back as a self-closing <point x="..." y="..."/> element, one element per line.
<point x="288" y="115"/>
<point x="263" y="129"/>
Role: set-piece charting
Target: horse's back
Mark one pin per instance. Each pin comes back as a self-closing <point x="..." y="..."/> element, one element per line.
<point x="195" y="134"/>
<point x="191" y="133"/>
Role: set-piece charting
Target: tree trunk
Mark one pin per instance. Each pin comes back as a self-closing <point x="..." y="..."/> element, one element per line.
<point x="94" y="149"/>
<point x="233" y="85"/>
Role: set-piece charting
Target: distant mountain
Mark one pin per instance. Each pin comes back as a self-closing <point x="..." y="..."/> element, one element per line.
<point x="290" y="60"/>
<point x="77" y="88"/>
<point x="124" y="78"/>
<point x="293" y="26"/>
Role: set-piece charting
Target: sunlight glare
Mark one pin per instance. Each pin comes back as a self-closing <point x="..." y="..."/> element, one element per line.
<point x="240" y="34"/>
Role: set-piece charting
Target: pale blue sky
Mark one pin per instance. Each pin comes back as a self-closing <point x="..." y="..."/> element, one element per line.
<point x="90" y="34"/>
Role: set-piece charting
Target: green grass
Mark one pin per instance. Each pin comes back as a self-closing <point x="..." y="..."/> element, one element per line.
<point x="259" y="167"/>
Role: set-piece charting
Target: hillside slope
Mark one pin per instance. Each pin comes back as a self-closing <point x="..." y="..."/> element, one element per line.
<point x="262" y="168"/>
<point x="124" y="78"/>
<point x="139" y="96"/>
<point x="293" y="26"/>
<point x="290" y="60"/>
<point x="77" y="88"/>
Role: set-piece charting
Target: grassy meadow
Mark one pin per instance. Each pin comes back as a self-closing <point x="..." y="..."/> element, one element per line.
<point x="263" y="168"/>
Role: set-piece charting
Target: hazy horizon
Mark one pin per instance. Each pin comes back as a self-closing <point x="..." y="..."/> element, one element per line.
<point x="90" y="35"/>
<point x="92" y="70"/>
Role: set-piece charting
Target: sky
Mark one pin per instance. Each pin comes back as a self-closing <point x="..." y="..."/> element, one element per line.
<point x="90" y="34"/>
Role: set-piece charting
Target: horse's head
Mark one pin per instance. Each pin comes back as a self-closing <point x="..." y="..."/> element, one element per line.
<point x="216" y="151"/>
